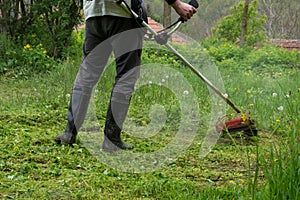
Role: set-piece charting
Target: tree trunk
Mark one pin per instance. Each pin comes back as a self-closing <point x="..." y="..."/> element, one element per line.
<point x="244" y="23"/>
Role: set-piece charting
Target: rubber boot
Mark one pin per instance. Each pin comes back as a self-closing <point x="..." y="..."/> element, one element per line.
<point x="76" y="114"/>
<point x="115" y="117"/>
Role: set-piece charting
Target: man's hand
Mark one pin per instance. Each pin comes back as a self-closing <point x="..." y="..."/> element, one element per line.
<point x="184" y="10"/>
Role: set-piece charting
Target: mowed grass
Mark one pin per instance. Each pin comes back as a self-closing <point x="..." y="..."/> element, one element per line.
<point x="34" y="111"/>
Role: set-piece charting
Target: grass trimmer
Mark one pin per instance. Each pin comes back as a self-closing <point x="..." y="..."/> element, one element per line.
<point x="240" y="122"/>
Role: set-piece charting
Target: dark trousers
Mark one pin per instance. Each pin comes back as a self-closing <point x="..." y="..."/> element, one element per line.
<point x="105" y="35"/>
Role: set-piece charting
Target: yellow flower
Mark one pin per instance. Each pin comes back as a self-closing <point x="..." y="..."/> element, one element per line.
<point x="277" y="120"/>
<point x="27" y="46"/>
<point x="44" y="52"/>
<point x="275" y="160"/>
<point x="16" y="148"/>
<point x="249" y="91"/>
<point x="144" y="123"/>
<point x="244" y="117"/>
<point x="251" y="105"/>
<point x="299" y="89"/>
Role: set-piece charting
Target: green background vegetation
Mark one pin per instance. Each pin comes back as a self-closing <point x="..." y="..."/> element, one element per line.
<point x="35" y="91"/>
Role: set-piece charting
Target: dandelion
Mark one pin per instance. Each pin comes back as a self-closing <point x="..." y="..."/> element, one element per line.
<point x="280" y="108"/>
<point x="16" y="148"/>
<point x="244" y="117"/>
<point x="44" y="52"/>
<point x="275" y="160"/>
<point x="287" y="96"/>
<point x="249" y="91"/>
<point x="27" y="46"/>
<point x="251" y="105"/>
<point x="185" y="92"/>
<point x="163" y="80"/>
<point x="68" y="95"/>
<point x="150" y="82"/>
<point x="144" y="123"/>
<point x="274" y="94"/>
<point x="277" y="121"/>
<point x="168" y="77"/>
<point x="299" y="89"/>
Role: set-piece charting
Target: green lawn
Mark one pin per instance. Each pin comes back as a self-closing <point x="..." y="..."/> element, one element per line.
<point x="33" y="111"/>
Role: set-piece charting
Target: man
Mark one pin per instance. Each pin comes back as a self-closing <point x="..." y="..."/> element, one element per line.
<point x="109" y="29"/>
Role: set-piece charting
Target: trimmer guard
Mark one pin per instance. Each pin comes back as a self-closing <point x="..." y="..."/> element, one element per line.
<point x="239" y="122"/>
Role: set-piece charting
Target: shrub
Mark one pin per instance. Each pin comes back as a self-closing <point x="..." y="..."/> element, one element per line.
<point x="51" y="22"/>
<point x="229" y="28"/>
<point x="271" y="58"/>
<point x="227" y="50"/>
<point x="27" y="61"/>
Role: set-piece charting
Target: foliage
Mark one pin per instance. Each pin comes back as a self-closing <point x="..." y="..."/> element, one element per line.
<point x="227" y="50"/>
<point x="26" y="61"/>
<point x="229" y="27"/>
<point x="271" y="58"/>
<point x="263" y="60"/>
<point x="33" y="58"/>
<point x="52" y="23"/>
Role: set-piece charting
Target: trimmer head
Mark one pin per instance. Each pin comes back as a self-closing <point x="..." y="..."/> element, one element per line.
<point x="240" y="122"/>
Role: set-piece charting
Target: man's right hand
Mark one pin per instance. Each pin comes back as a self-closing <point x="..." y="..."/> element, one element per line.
<point x="184" y="10"/>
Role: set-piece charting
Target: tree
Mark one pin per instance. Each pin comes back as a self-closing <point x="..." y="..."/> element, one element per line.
<point x="229" y="27"/>
<point x="51" y="21"/>
<point x="244" y="23"/>
<point x="283" y="19"/>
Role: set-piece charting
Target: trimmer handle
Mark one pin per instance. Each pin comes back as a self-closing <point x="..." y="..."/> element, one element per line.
<point x="193" y="3"/>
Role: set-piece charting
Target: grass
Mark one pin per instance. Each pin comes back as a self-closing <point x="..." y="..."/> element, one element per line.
<point x="33" y="112"/>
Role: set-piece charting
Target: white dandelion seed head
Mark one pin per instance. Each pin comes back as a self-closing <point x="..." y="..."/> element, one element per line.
<point x="226" y="95"/>
<point x="280" y="108"/>
<point x="163" y="80"/>
<point x="68" y="95"/>
<point x="274" y="94"/>
<point x="185" y="92"/>
<point x="150" y="82"/>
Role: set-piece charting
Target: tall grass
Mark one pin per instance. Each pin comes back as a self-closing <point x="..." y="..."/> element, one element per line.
<point x="282" y="167"/>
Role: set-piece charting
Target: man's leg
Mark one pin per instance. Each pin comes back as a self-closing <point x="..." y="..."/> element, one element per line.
<point x="128" y="71"/>
<point x="97" y="53"/>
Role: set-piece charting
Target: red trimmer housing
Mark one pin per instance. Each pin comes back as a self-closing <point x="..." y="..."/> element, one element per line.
<point x="239" y="123"/>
